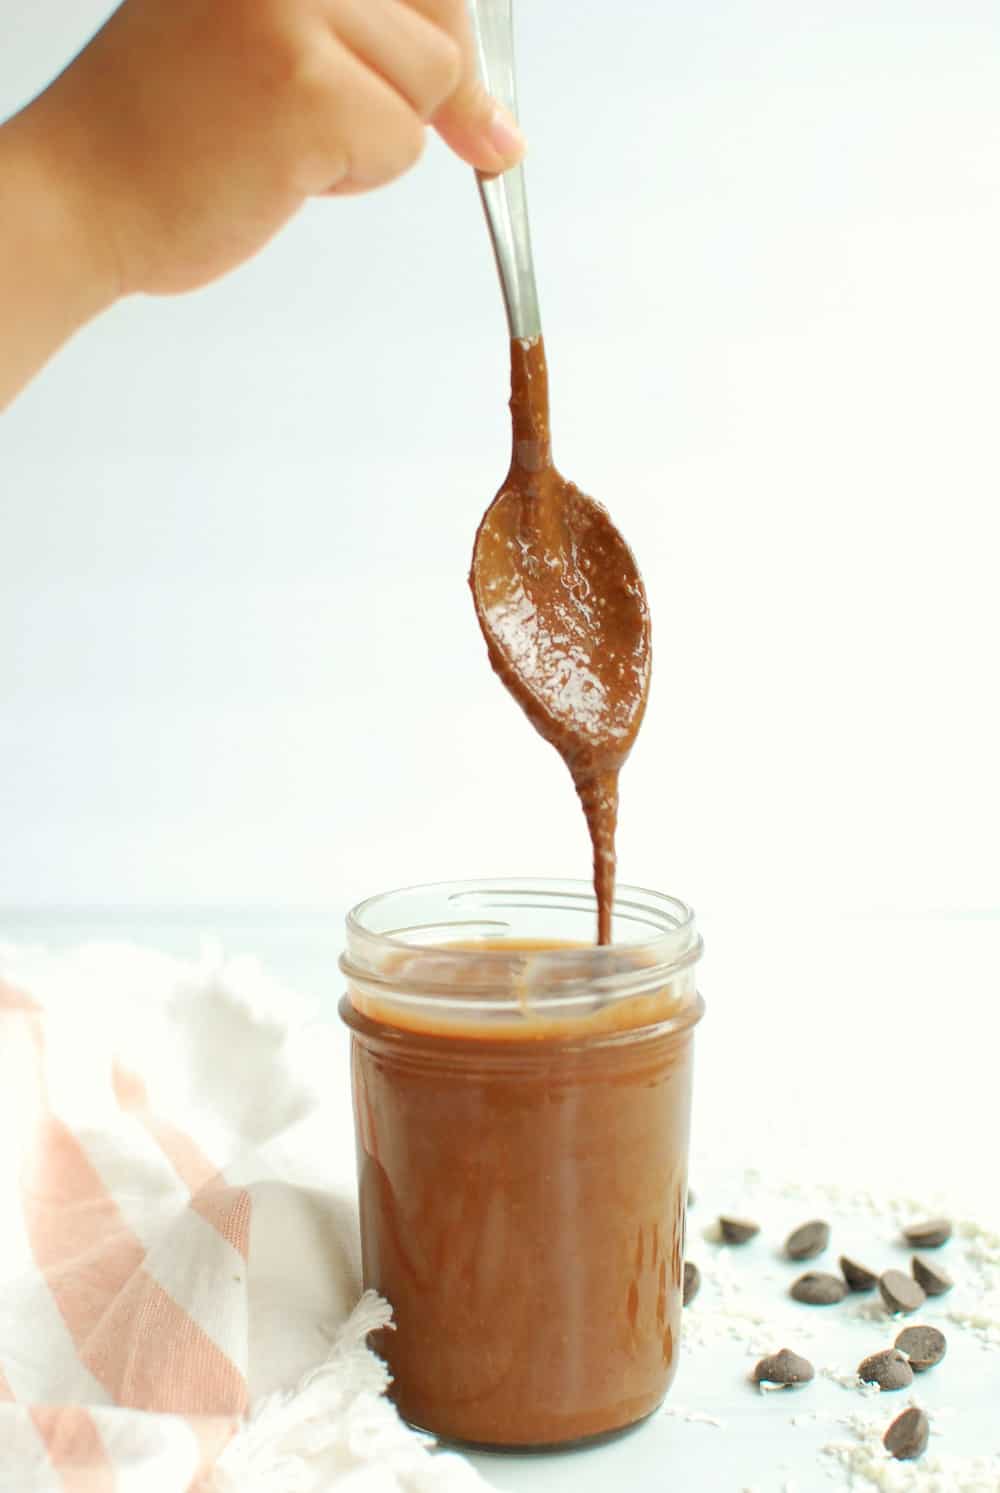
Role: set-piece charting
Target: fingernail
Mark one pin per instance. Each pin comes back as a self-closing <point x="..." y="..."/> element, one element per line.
<point x="504" y="135"/>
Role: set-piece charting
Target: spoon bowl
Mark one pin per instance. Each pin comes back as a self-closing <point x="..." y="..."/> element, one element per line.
<point x="564" y="615"/>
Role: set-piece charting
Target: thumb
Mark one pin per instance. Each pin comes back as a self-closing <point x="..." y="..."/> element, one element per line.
<point x="477" y="128"/>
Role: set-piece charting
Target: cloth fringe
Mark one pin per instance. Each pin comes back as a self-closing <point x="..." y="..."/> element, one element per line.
<point x="336" y="1425"/>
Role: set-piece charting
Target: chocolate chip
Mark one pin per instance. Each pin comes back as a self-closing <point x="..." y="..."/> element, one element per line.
<point x="784" y="1367"/>
<point x="934" y="1280"/>
<point x="888" y="1369"/>
<point x="737" y="1230"/>
<point x="907" y="1437"/>
<point x="923" y="1346"/>
<point x="807" y="1241"/>
<point x="817" y="1289"/>
<point x="928" y="1235"/>
<point x="692" y="1281"/>
<point x="900" y="1292"/>
<point x="856" y="1276"/>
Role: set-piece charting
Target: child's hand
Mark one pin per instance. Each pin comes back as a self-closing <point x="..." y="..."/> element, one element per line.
<point x="189" y="131"/>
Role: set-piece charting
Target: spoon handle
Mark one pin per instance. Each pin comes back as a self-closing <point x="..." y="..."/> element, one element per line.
<point x="504" y="200"/>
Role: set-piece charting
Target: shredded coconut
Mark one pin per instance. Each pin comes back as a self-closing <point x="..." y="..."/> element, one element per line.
<point x="865" y="1457"/>
<point x="851" y="1381"/>
<point x="742" y="1301"/>
<point x="695" y="1417"/>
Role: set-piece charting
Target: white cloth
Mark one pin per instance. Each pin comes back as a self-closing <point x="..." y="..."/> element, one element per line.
<point x="180" y="1301"/>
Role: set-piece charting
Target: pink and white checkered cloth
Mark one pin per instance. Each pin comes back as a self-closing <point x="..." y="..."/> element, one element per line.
<point x="179" y="1293"/>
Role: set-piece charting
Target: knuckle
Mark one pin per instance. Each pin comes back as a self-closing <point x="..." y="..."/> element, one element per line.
<point x="398" y="146"/>
<point x="280" y="57"/>
<point x="450" y="12"/>
<point x="448" y="16"/>
<point x="404" y="150"/>
<point x="445" y="65"/>
<point x="473" y="102"/>
<point x="309" y="80"/>
<point x="410" y="148"/>
<point x="316" y="170"/>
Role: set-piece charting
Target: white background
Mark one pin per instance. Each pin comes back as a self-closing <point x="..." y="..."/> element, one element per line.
<point x="239" y="663"/>
<point x="238" y="659"/>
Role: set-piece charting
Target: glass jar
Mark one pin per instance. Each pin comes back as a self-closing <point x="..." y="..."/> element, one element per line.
<point x="522" y="1103"/>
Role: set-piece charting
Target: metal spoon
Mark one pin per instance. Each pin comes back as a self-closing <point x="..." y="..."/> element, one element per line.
<point x="557" y="590"/>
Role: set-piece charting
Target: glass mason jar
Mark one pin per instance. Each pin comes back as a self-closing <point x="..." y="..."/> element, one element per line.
<point x="522" y="1102"/>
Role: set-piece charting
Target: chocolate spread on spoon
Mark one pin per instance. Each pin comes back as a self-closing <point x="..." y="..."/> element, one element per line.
<point x="563" y="610"/>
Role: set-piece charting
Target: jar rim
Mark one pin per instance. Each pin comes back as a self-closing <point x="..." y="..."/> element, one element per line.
<point x="381" y="962"/>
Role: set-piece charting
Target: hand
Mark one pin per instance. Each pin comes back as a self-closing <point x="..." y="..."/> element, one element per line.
<point x="188" y="131"/>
